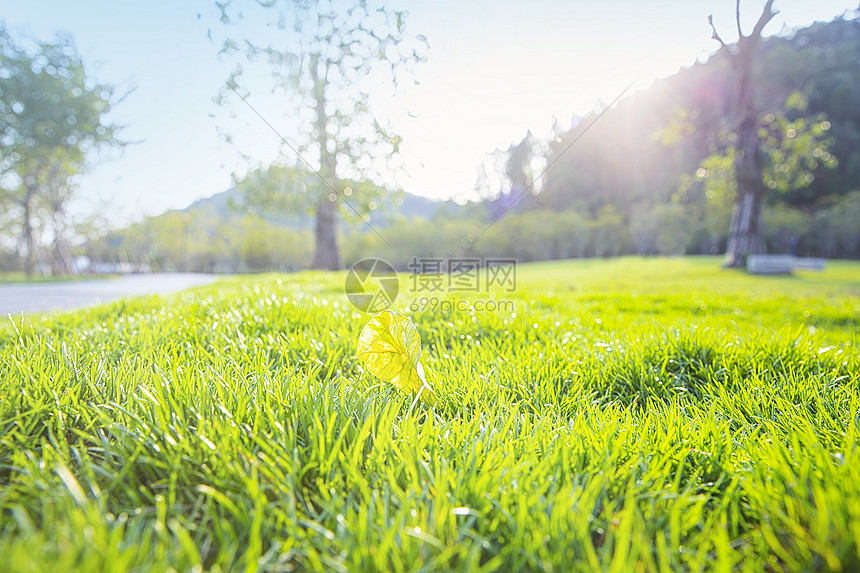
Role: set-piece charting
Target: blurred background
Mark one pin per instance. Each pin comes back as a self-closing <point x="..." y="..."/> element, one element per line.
<point x="229" y="137"/>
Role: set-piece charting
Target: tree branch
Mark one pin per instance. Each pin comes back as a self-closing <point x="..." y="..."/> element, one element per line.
<point x="738" y="19"/>
<point x="767" y="15"/>
<point x="715" y="35"/>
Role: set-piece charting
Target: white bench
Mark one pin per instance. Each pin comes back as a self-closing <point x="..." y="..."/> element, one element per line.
<point x="781" y="264"/>
<point x="809" y="263"/>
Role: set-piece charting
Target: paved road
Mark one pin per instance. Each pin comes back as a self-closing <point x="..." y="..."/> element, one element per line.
<point x="37" y="297"/>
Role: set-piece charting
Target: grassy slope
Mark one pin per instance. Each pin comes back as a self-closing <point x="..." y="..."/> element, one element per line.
<point x="632" y="415"/>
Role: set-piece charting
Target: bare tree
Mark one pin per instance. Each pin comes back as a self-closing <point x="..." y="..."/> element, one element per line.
<point x="746" y="230"/>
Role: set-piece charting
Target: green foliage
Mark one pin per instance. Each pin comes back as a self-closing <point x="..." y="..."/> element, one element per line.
<point x="632" y="415"/>
<point x="835" y="231"/>
<point x="278" y="189"/>
<point x="794" y="150"/>
<point x="204" y="240"/>
<point x="609" y="231"/>
<point x="283" y="189"/>
<point x="644" y="228"/>
<point x="411" y="238"/>
<point x="675" y="230"/>
<point x="48" y="105"/>
<point x="716" y="172"/>
<point x="51" y="119"/>
<point x="783" y="225"/>
<point x="529" y="235"/>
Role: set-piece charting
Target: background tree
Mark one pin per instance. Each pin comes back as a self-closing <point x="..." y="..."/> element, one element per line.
<point x="505" y="175"/>
<point x="278" y="192"/>
<point x="645" y="221"/>
<point x="51" y="119"/>
<point x="325" y="53"/>
<point x="792" y="148"/>
<point x="518" y="169"/>
<point x="746" y="231"/>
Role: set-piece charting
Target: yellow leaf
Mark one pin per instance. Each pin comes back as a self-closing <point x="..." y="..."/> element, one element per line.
<point x="390" y="346"/>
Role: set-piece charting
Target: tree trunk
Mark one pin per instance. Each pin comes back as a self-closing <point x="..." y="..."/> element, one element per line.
<point x="28" y="236"/>
<point x="61" y="257"/>
<point x="327" y="253"/>
<point x="61" y="260"/>
<point x="746" y="230"/>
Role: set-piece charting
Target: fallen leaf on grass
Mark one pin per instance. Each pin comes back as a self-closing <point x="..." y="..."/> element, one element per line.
<point x="390" y="347"/>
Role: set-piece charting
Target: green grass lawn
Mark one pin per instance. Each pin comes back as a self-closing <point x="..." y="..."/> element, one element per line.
<point x="624" y="415"/>
<point x="19" y="277"/>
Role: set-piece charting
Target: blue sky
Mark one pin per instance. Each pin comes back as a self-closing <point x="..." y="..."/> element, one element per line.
<point x="495" y="69"/>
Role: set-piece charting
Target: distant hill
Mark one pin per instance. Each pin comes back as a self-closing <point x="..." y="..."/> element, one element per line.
<point x="410" y="207"/>
<point x="220" y="202"/>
